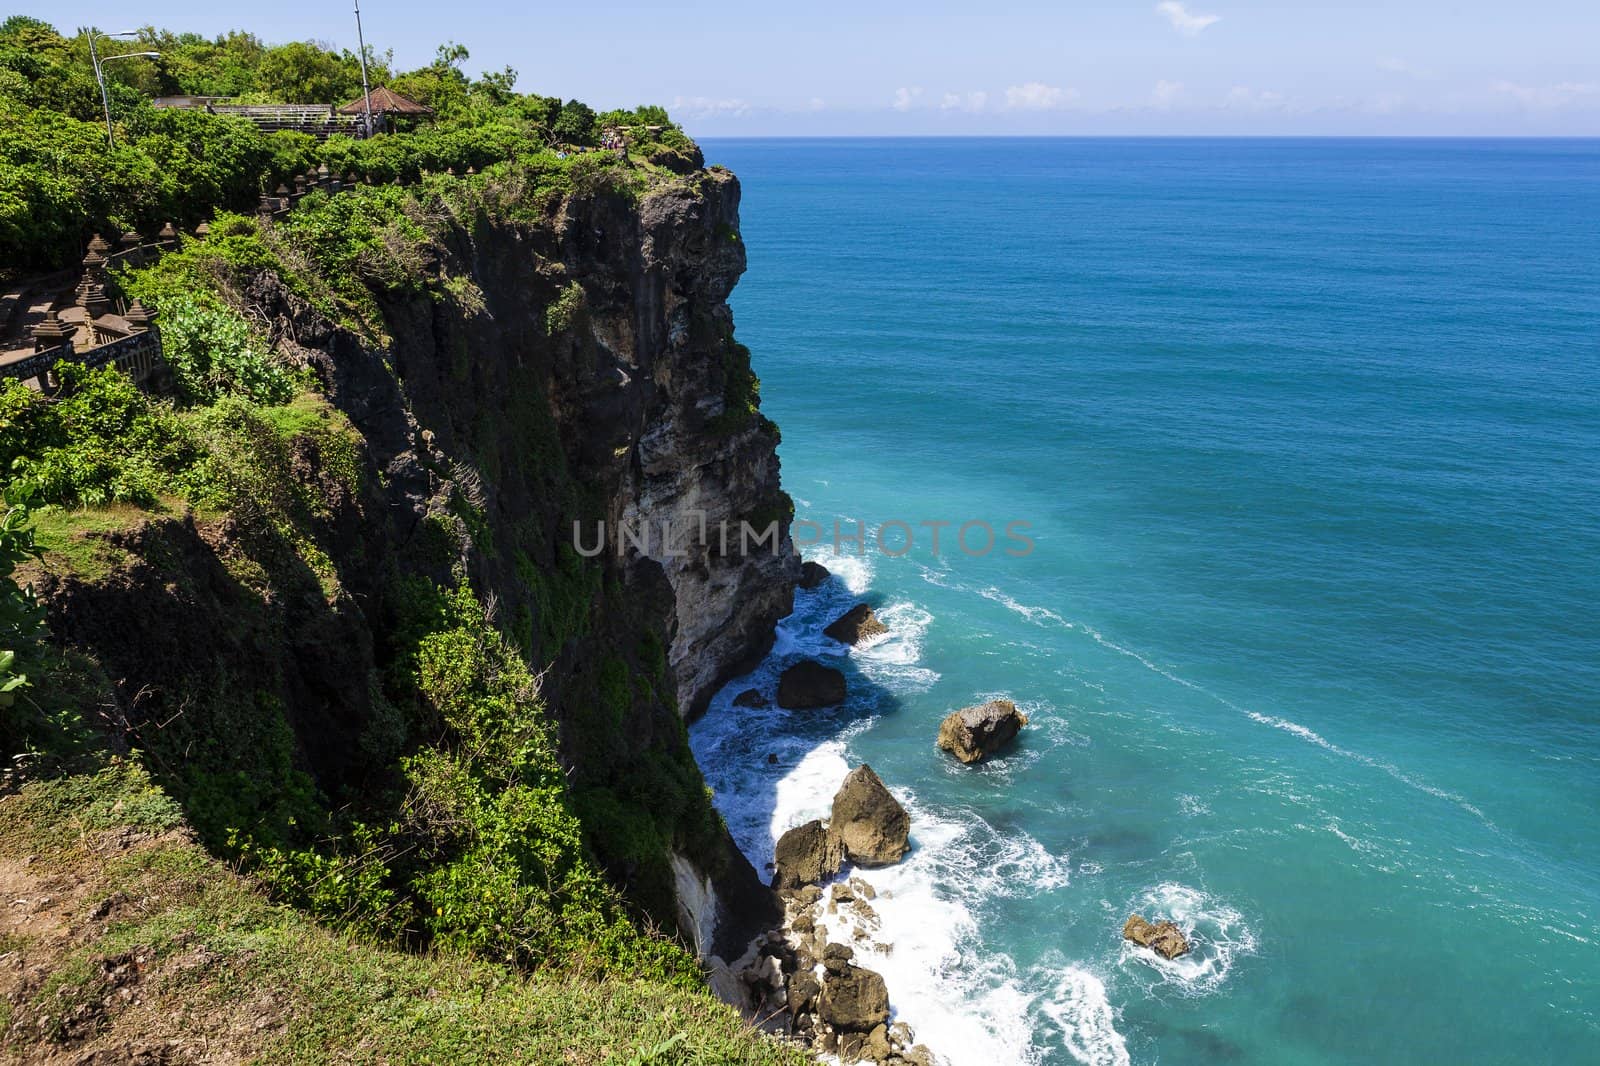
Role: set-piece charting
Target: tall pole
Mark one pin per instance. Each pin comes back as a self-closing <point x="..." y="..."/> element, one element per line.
<point x="366" y="93"/>
<point x="99" y="76"/>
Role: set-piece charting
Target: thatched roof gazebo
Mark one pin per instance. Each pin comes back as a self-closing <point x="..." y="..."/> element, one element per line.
<point x="385" y="101"/>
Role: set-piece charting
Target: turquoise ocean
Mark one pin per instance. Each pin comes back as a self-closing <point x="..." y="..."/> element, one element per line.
<point x="1307" y="436"/>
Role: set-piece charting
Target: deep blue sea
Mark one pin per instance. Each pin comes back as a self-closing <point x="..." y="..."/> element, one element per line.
<point x="1307" y="436"/>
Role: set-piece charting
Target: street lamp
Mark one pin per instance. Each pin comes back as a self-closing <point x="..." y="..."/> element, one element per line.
<point x="99" y="70"/>
<point x="366" y="93"/>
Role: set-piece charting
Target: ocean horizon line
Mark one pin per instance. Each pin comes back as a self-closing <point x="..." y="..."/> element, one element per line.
<point x="1318" y="137"/>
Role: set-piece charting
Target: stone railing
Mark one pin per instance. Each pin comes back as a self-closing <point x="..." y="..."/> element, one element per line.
<point x="90" y="332"/>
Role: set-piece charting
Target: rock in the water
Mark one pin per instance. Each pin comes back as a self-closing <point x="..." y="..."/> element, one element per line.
<point x="805" y="855"/>
<point x="874" y="829"/>
<point x="750" y="697"/>
<point x="855" y="1001"/>
<point x="1164" y="938"/>
<point x="812" y="574"/>
<point x="808" y="685"/>
<point x="972" y="734"/>
<point x="855" y="625"/>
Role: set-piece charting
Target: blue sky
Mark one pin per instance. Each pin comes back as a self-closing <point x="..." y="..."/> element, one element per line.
<point x="1354" y="67"/>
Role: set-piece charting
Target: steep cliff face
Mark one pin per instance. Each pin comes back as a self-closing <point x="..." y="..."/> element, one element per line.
<point x="561" y="368"/>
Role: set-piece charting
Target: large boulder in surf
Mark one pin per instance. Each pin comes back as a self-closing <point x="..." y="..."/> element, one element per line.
<point x="751" y="698"/>
<point x="808" y="685"/>
<point x="972" y="734"/>
<point x="874" y="829"/>
<point x="1163" y="938"/>
<point x="806" y="855"/>
<point x="812" y="574"/>
<point x="856" y="1001"/>
<point x="855" y="625"/>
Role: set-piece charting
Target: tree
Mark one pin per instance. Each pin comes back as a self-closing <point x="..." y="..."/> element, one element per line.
<point x="575" y="124"/>
<point x="301" y="72"/>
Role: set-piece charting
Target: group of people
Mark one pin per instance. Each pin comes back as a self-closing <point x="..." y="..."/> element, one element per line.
<point x="612" y="140"/>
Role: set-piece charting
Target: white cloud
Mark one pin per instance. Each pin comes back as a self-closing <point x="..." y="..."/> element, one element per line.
<point x="817" y="104"/>
<point x="1037" y="96"/>
<point x="1243" y="98"/>
<point x="1182" y="21"/>
<point x="973" y="101"/>
<point x="1399" y="66"/>
<point x="1548" y="97"/>
<point x="707" y="107"/>
<point x="1166" y="93"/>
<point x="905" y="99"/>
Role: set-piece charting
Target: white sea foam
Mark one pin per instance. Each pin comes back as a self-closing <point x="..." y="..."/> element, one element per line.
<point x="854" y="571"/>
<point x="1084" y="1018"/>
<point x="894" y="659"/>
<point x="1216" y="932"/>
<point x="960" y="998"/>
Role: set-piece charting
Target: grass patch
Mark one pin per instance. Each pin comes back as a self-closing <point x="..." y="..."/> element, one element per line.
<point x="74" y="540"/>
<point x="213" y="963"/>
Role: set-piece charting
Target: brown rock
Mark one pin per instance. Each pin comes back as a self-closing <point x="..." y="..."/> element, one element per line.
<point x="1164" y="938"/>
<point x="855" y="1001"/>
<point x="805" y="855"/>
<point x="855" y="625"/>
<point x="803" y="991"/>
<point x="812" y="574"/>
<point x="808" y="685"/>
<point x="836" y="958"/>
<point x="750" y="697"/>
<point x="972" y="734"/>
<point x="878" y="1043"/>
<point x="874" y="829"/>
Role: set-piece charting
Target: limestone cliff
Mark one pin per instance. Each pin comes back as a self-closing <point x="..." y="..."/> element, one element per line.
<point x="569" y="363"/>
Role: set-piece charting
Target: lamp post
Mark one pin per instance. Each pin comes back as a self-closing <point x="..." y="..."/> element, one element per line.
<point x="99" y="70"/>
<point x="366" y="93"/>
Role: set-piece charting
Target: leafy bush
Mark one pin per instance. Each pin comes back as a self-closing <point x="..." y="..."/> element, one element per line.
<point x="564" y="309"/>
<point x="21" y="618"/>
<point x="101" y="441"/>
<point x="213" y="352"/>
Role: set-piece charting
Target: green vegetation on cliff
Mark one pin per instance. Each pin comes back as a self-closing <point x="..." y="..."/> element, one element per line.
<point x="442" y="757"/>
<point x="136" y="945"/>
<point x="59" y="183"/>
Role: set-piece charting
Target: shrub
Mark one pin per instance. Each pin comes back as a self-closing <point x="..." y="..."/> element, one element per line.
<point x="213" y="352"/>
<point x="21" y="618"/>
<point x="101" y="441"/>
<point x="564" y="309"/>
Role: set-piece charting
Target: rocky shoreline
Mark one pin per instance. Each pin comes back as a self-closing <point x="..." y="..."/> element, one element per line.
<point x="802" y="980"/>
